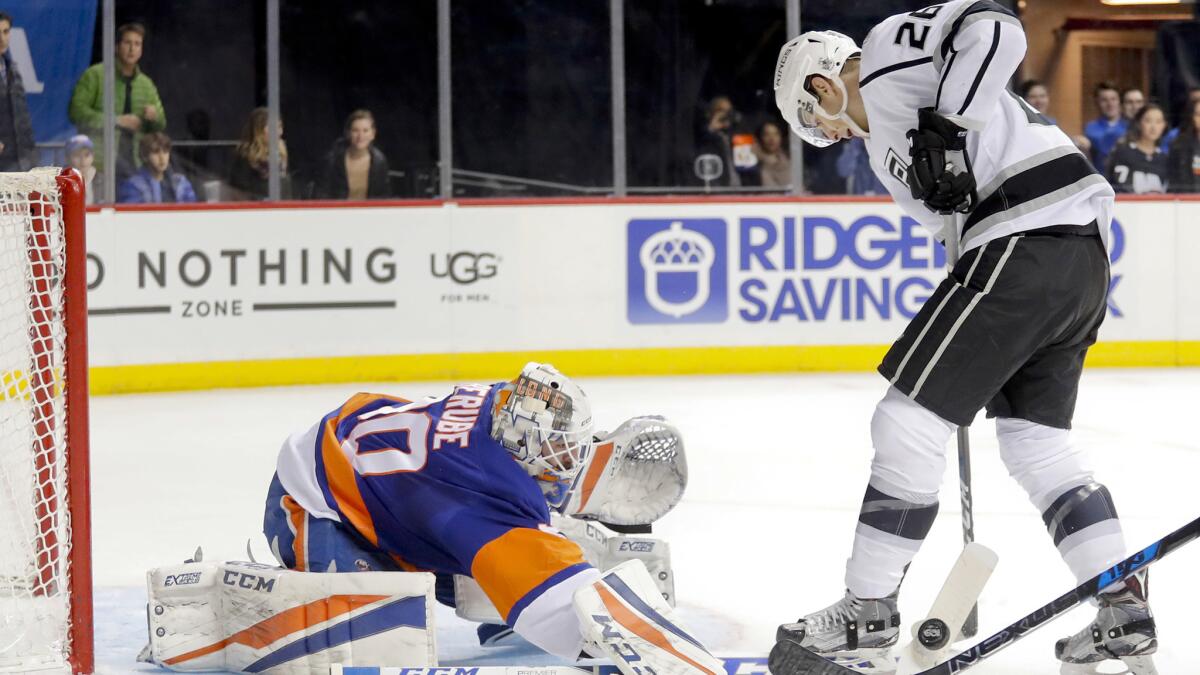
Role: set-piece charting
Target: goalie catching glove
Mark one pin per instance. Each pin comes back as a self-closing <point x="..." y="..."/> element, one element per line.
<point x="635" y="476"/>
<point x="940" y="175"/>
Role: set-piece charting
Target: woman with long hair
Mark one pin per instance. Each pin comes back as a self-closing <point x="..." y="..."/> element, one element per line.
<point x="1183" y="159"/>
<point x="250" y="170"/>
<point x="1137" y="164"/>
<point x="775" y="166"/>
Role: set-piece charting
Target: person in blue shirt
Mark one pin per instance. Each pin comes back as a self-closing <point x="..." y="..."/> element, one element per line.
<point x="1104" y="131"/>
<point x="855" y="166"/>
<point x="155" y="182"/>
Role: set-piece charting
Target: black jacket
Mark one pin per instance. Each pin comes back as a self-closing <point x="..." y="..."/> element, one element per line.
<point x="16" y="127"/>
<point x="333" y="184"/>
<point x="1181" y="171"/>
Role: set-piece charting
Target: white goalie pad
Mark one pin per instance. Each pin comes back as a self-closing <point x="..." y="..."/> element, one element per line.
<point x="624" y="618"/>
<point x="601" y="548"/>
<point x="248" y="617"/>
<point x="635" y="475"/>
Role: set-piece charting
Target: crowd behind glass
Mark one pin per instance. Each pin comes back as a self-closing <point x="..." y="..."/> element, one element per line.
<point x="1131" y="141"/>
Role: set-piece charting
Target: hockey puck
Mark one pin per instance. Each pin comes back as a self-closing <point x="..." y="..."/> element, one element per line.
<point x="933" y="634"/>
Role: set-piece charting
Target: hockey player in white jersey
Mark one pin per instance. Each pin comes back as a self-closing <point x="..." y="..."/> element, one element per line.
<point x="1007" y="330"/>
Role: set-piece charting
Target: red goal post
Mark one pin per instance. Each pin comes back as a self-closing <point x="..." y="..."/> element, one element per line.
<point x="45" y="538"/>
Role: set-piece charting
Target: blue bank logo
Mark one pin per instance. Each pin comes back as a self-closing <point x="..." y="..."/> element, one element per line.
<point x="677" y="271"/>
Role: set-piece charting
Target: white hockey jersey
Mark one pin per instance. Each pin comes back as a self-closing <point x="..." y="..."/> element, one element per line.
<point x="958" y="57"/>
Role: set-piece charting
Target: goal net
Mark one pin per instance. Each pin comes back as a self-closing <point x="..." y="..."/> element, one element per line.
<point x="45" y="576"/>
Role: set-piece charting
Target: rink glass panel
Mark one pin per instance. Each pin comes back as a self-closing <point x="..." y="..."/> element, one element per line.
<point x="339" y="57"/>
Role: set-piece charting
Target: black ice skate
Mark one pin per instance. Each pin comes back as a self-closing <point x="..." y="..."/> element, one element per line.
<point x="1123" y="629"/>
<point x="856" y="633"/>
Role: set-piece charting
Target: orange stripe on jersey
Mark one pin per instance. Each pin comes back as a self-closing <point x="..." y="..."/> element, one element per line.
<point x="340" y="474"/>
<point x="513" y="564"/>
<point x="596" y="468"/>
<point x="297" y="520"/>
<point x="283" y="624"/>
<point x="640" y="626"/>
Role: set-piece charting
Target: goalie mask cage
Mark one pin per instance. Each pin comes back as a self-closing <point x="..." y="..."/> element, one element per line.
<point x="45" y="548"/>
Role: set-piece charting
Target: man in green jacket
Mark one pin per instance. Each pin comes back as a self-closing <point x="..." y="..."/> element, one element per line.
<point x="136" y="103"/>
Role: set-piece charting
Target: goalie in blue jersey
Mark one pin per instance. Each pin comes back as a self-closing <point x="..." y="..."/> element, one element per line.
<point x="464" y="486"/>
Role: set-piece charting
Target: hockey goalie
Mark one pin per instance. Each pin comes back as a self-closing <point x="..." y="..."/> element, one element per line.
<point x="482" y="500"/>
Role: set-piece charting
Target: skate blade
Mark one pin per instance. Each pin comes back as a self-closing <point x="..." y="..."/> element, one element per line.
<point x="789" y="658"/>
<point x="1129" y="665"/>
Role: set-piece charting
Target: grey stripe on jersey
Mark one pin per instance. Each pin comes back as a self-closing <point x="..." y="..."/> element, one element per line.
<point x="984" y="10"/>
<point x="933" y="318"/>
<point x="1012" y="243"/>
<point x="1043" y="201"/>
<point x="1024" y="165"/>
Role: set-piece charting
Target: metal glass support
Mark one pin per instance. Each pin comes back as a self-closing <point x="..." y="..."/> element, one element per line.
<point x="797" y="145"/>
<point x="274" y="180"/>
<point x="616" y="14"/>
<point x="445" y="131"/>
<point x="109" y="49"/>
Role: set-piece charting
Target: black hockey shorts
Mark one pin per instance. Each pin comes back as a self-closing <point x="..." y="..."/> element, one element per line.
<point x="1008" y="328"/>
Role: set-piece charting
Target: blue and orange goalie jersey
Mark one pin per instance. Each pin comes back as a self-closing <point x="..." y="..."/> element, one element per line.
<point x="425" y="484"/>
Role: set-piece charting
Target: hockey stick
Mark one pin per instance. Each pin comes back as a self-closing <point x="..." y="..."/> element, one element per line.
<point x="971" y="626"/>
<point x="789" y="658"/>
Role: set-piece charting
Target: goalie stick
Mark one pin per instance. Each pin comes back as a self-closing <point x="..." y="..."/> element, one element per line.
<point x="789" y="658"/>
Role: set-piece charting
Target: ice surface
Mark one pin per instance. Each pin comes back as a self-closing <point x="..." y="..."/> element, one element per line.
<point x="778" y="466"/>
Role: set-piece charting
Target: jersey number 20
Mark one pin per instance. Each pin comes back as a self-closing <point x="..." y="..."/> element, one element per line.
<point x="908" y="30"/>
<point x="389" y="440"/>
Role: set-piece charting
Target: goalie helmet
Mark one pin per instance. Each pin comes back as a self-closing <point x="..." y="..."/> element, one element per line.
<point x="822" y="53"/>
<point x="544" y="419"/>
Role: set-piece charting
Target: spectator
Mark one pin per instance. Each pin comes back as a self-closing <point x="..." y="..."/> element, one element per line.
<point x="854" y="165"/>
<point x="1183" y="160"/>
<point x="355" y="168"/>
<point x="774" y="163"/>
<point x="1193" y="96"/>
<point x="16" y="127"/>
<point x="1103" y="132"/>
<point x="81" y="156"/>
<point x="1132" y="100"/>
<point x="716" y="138"/>
<point x="251" y="166"/>
<point x="155" y="182"/>
<point x="137" y="106"/>
<point x="1137" y="164"/>
<point x="1037" y="95"/>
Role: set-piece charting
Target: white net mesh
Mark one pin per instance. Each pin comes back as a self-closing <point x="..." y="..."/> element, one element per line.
<point x="34" y="519"/>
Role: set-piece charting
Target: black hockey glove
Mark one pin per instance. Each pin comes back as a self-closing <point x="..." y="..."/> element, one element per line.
<point x="940" y="175"/>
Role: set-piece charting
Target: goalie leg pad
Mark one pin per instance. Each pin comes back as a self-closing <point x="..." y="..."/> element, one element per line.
<point x="624" y="617"/>
<point x="247" y="617"/>
<point x="605" y="550"/>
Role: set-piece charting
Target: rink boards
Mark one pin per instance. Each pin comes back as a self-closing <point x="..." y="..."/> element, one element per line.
<point x="223" y="296"/>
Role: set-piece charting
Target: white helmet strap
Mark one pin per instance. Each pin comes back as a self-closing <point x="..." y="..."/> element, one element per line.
<point x="841" y="114"/>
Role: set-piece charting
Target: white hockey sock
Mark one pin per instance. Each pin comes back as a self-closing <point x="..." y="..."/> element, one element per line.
<point x="1078" y="512"/>
<point x="901" y="500"/>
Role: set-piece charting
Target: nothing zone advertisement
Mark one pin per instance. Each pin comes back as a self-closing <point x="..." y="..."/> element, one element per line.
<point x="199" y="286"/>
